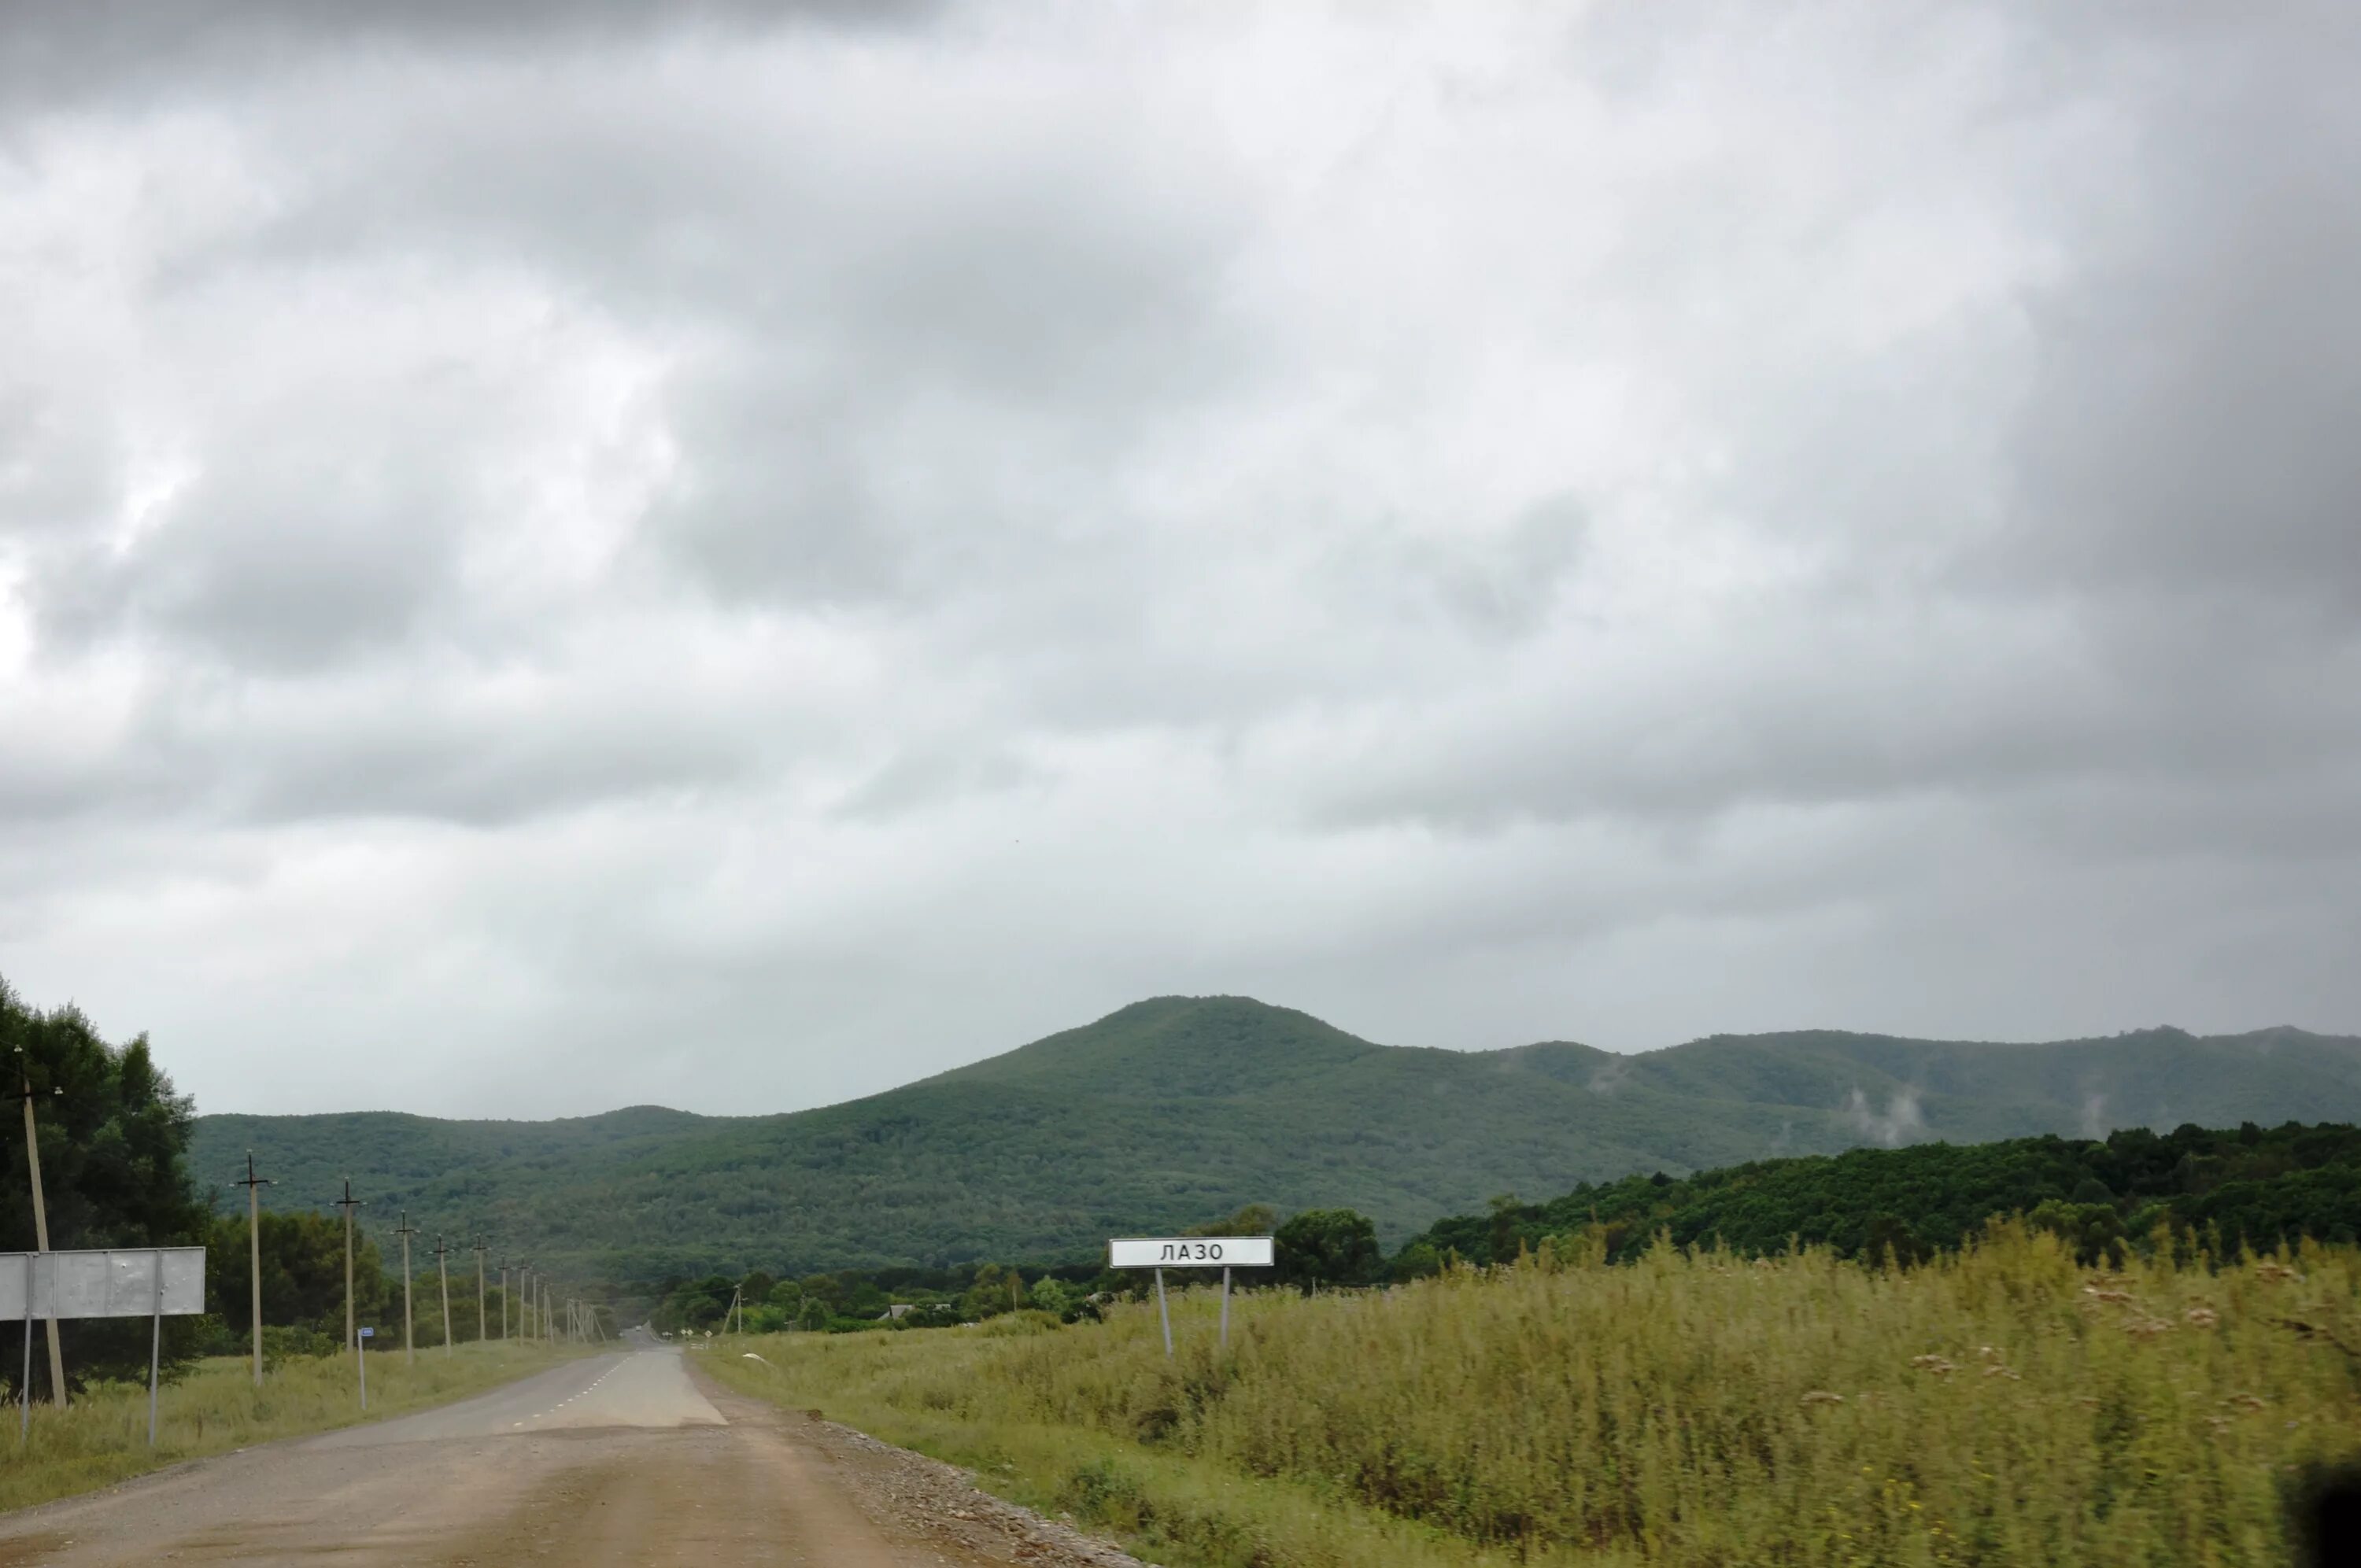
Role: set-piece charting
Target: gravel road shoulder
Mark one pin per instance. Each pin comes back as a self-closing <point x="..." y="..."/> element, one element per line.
<point x="923" y="1500"/>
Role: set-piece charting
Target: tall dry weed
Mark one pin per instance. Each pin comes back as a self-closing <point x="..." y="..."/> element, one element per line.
<point x="1998" y="1407"/>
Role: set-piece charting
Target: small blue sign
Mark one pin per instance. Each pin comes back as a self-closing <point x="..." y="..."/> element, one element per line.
<point x="369" y="1333"/>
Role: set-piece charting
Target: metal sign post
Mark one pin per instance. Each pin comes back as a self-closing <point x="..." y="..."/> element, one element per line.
<point x="155" y="1348"/>
<point x="1160" y="1253"/>
<point x="24" y="1384"/>
<point x="366" y="1335"/>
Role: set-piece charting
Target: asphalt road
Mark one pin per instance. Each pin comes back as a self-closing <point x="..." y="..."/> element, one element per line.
<point x="619" y="1459"/>
<point x="647" y="1386"/>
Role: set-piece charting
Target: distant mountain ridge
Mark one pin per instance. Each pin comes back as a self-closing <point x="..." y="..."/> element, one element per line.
<point x="1178" y="1109"/>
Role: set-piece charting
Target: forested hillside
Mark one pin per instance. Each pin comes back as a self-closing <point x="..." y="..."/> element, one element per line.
<point x="1174" y="1110"/>
<point x="2248" y="1186"/>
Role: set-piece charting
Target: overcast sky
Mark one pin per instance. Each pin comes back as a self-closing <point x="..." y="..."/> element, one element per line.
<point x="553" y="556"/>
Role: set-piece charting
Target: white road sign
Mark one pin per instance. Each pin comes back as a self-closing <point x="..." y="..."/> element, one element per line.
<point x="119" y="1283"/>
<point x="1190" y="1252"/>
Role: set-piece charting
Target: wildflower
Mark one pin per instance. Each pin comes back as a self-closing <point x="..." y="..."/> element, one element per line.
<point x="1822" y="1397"/>
<point x="2276" y="1273"/>
<point x="2202" y="1317"/>
<point x="1937" y="1364"/>
<point x="2247" y="1401"/>
<point x="2146" y="1328"/>
<point x="1999" y="1371"/>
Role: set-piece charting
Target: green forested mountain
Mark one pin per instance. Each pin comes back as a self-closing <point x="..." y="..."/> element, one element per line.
<point x="1178" y="1109"/>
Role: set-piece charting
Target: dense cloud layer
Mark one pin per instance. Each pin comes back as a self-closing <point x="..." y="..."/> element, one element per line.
<point x="555" y="555"/>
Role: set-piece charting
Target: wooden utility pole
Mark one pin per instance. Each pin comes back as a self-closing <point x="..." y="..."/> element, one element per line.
<point x="480" y="1335"/>
<point x="254" y="1186"/>
<point x="405" y="1231"/>
<point x="504" y="1301"/>
<point x="352" y="1324"/>
<point x="40" y="1223"/>
<point x="443" y="1263"/>
<point x="524" y="1298"/>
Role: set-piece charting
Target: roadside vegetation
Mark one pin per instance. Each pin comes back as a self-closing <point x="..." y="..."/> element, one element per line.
<point x="2004" y="1404"/>
<point x="102" y="1437"/>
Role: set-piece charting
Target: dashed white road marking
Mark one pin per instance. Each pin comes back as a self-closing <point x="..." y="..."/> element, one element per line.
<point x="561" y="1404"/>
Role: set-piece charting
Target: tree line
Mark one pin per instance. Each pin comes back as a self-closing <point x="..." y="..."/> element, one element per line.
<point x="1316" y="1249"/>
<point x="2247" y="1187"/>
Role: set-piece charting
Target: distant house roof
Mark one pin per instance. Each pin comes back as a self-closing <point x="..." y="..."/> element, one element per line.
<point x="898" y="1310"/>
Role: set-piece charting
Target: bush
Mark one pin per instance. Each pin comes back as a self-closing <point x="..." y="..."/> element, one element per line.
<point x="1327" y="1248"/>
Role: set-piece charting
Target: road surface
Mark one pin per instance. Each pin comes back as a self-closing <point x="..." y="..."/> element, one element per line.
<point x="626" y="1458"/>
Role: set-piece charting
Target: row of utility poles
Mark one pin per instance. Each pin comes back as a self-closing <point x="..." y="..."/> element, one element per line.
<point x="537" y="1316"/>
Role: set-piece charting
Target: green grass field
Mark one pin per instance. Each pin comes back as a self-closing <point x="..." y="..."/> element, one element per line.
<point x="102" y="1437"/>
<point x="1999" y="1407"/>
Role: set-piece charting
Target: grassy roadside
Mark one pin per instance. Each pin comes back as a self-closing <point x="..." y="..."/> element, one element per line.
<point x="102" y="1437"/>
<point x="1167" y="1508"/>
<point x="1998" y="1407"/>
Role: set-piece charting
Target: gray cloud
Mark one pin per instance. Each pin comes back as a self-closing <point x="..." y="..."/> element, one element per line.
<point x="68" y="53"/>
<point x="850" y="536"/>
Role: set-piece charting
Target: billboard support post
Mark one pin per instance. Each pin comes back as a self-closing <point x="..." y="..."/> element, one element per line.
<point x="24" y="1384"/>
<point x="155" y="1349"/>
